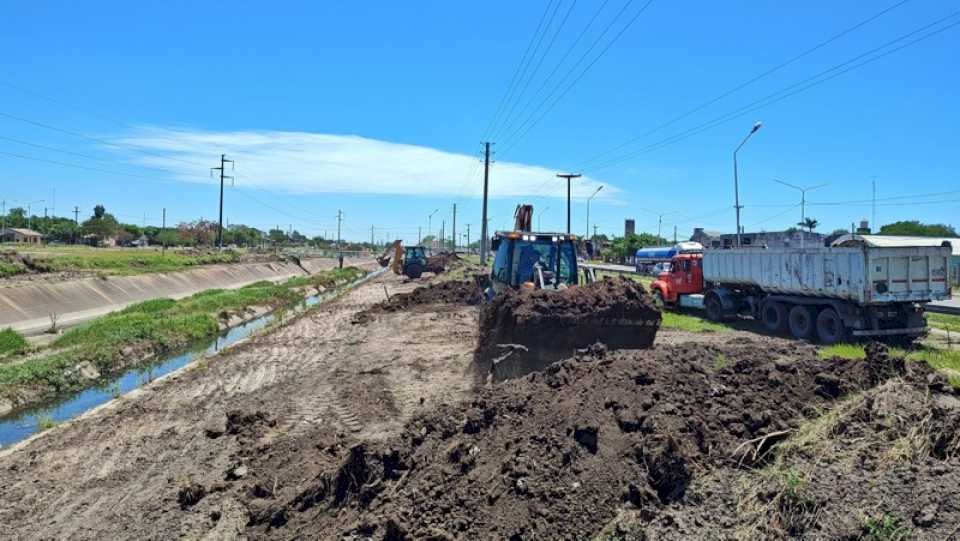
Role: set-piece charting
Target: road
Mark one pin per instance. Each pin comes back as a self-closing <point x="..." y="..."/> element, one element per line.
<point x="120" y="471"/>
<point x="951" y="306"/>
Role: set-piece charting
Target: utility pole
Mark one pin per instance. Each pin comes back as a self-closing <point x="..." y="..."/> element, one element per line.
<point x="483" y="224"/>
<point x="454" y="228"/>
<point x="223" y="160"/>
<point x="674" y="234"/>
<point x="568" y="176"/>
<point x="468" y="238"/>
<point x="339" y="246"/>
<point x="594" y="230"/>
<point x="443" y="240"/>
<point x="163" y="227"/>
<point x="419" y="234"/>
<point x="371" y="237"/>
<point x="3" y="214"/>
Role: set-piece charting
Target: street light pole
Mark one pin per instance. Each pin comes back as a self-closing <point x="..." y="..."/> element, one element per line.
<point x="430" y="222"/>
<point x="588" y="210"/>
<point x="568" y="176"/>
<point x="736" y="179"/>
<point x="803" y="195"/>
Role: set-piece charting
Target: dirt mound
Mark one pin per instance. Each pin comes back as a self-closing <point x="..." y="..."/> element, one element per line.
<point x="524" y="331"/>
<point x="449" y="292"/>
<point x="559" y="454"/>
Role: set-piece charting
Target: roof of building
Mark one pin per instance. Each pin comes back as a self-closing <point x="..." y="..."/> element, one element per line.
<point x="22" y="231"/>
<point x="897" y="240"/>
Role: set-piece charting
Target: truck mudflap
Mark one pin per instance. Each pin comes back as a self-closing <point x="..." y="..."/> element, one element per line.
<point x="911" y="331"/>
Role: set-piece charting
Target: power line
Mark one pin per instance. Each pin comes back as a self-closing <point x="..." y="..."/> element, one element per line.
<point x="95" y="139"/>
<point x="520" y="67"/>
<point x="524" y="130"/>
<point x="748" y="82"/>
<point x="507" y="120"/>
<point x="791" y="90"/>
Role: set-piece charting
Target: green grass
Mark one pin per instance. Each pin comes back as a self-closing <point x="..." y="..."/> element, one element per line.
<point x="844" y="351"/>
<point x="11" y="342"/>
<point x="885" y="528"/>
<point x="45" y="423"/>
<point x="686" y="322"/>
<point x="157" y="325"/>
<point x="944" y="321"/>
<point x="111" y="261"/>
<point x="941" y="359"/>
<point x="10" y="269"/>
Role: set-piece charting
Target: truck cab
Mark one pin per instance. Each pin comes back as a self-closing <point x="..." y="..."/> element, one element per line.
<point x="534" y="260"/>
<point x="685" y="278"/>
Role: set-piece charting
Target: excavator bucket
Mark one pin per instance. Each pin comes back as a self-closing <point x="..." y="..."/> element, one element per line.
<point x="524" y="331"/>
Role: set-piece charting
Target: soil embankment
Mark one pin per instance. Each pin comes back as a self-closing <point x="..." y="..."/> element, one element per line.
<point x="524" y="331"/>
<point x="28" y="307"/>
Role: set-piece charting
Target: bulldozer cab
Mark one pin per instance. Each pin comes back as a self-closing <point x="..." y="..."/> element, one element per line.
<point x="539" y="260"/>
<point x="415" y="254"/>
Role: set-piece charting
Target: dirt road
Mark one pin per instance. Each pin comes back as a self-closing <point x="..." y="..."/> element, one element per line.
<point x="125" y="471"/>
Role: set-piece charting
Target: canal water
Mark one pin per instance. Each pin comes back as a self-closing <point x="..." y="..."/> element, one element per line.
<point x="24" y="423"/>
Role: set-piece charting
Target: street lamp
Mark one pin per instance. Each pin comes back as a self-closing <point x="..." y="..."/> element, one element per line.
<point x="736" y="180"/>
<point x="803" y="195"/>
<point x="539" y="216"/>
<point x="588" y="210"/>
<point x="430" y="222"/>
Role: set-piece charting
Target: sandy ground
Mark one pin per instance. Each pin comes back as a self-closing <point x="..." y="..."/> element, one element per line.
<point x="117" y="473"/>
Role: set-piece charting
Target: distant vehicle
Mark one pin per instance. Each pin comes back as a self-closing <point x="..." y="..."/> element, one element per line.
<point x="659" y="268"/>
<point x="646" y="258"/>
<point x="828" y="293"/>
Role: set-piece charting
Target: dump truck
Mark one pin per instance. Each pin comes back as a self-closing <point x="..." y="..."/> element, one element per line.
<point x="827" y="293"/>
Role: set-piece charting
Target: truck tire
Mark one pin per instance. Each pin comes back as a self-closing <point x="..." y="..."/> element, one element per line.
<point x="714" y="307"/>
<point x="802" y="321"/>
<point x="830" y="328"/>
<point x="413" y="271"/>
<point x="774" y="315"/>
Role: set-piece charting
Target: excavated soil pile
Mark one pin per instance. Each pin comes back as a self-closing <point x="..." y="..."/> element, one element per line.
<point x="524" y="331"/>
<point x="451" y="292"/>
<point x="564" y="453"/>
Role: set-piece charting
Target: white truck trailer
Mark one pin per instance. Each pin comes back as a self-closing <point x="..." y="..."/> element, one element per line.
<point x="830" y="292"/>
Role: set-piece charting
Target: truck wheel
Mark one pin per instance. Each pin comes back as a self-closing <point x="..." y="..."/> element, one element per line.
<point x="801" y="321"/>
<point x="658" y="299"/>
<point x="713" y="307"/>
<point x="774" y="317"/>
<point x="830" y="329"/>
<point x="413" y="271"/>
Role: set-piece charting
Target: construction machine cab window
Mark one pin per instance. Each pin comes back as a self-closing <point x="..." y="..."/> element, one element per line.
<point x="527" y="259"/>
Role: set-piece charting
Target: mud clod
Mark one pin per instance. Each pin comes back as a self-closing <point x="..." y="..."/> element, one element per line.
<point x="190" y="494"/>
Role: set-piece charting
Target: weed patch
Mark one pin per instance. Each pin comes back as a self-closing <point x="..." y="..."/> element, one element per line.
<point x="12" y="343"/>
<point x="686" y="322"/>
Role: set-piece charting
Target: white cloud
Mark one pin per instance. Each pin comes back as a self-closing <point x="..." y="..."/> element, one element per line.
<point x="302" y="162"/>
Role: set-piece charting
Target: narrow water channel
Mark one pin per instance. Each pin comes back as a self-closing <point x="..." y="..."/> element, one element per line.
<point x="24" y="423"/>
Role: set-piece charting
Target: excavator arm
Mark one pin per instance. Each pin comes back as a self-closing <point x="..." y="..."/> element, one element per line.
<point x="393" y="257"/>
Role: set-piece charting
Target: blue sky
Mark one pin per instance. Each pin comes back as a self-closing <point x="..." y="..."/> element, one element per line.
<point x="378" y="109"/>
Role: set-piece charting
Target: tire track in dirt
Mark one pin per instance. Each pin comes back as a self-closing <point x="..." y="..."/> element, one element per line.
<point x="116" y="473"/>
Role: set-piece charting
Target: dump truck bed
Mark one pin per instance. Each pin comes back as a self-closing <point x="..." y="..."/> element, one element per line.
<point x="863" y="275"/>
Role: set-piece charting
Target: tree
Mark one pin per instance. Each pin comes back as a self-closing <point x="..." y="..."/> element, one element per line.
<point x="809" y="223"/>
<point x="623" y="248"/>
<point x="101" y="223"/>
<point x="913" y="228"/>
<point x="277" y="236"/>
